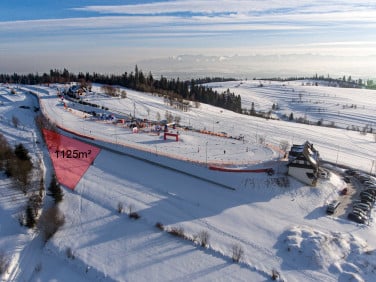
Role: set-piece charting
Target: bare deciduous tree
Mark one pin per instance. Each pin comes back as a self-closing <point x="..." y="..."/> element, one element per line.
<point x="120" y="207"/>
<point x="237" y="252"/>
<point x="15" y="121"/>
<point x="203" y="237"/>
<point x="3" y="263"/>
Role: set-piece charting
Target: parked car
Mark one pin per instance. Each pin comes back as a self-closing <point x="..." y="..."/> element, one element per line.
<point x="369" y="182"/>
<point x="368" y="198"/>
<point x="363" y="206"/>
<point x="368" y="202"/>
<point x="371" y="191"/>
<point x="356" y="218"/>
<point x="350" y="172"/>
<point x="368" y="194"/>
<point x="359" y="211"/>
<point x="347" y="179"/>
<point x="330" y="209"/>
<point x="366" y="180"/>
<point x="363" y="178"/>
<point x="361" y="214"/>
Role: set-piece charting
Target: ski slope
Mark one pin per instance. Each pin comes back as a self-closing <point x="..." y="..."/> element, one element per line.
<point x="280" y="228"/>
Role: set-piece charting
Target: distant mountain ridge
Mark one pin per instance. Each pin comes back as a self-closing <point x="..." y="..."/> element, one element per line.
<point x="259" y="66"/>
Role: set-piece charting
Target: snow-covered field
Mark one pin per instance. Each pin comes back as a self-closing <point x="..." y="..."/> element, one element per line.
<point x="280" y="228"/>
<point x="347" y="108"/>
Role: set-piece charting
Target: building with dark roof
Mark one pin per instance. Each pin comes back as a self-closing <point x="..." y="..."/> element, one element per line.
<point x="304" y="163"/>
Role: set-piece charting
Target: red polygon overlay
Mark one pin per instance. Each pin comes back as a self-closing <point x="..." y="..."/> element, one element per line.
<point x="71" y="158"/>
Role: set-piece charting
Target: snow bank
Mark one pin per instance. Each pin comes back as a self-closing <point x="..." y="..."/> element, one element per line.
<point x="343" y="254"/>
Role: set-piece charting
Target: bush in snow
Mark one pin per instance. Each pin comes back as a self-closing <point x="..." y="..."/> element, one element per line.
<point x="134" y="215"/>
<point x="38" y="267"/>
<point x="275" y="274"/>
<point x="177" y="231"/>
<point x="203" y="238"/>
<point x="15" y="121"/>
<point x="160" y="226"/>
<point x="3" y="262"/>
<point x="69" y="253"/>
<point x="120" y="207"/>
<point x="237" y="252"/>
<point x="131" y="213"/>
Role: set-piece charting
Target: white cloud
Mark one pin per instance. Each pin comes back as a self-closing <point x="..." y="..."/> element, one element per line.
<point x="221" y="27"/>
<point x="250" y="7"/>
<point x="145" y="24"/>
<point x="214" y="15"/>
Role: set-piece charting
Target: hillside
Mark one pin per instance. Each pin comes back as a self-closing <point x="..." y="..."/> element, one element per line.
<point x="279" y="228"/>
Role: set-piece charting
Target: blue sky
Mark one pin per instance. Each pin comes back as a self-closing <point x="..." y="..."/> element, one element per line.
<point x="108" y="36"/>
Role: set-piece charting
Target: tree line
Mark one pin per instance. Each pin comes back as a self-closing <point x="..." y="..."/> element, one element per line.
<point x="344" y="82"/>
<point x="192" y="90"/>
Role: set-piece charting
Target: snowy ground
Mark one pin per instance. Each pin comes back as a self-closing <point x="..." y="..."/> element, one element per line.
<point x="335" y="144"/>
<point x="285" y="229"/>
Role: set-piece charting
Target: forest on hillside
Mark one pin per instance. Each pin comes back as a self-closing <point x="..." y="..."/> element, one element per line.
<point x="192" y="90"/>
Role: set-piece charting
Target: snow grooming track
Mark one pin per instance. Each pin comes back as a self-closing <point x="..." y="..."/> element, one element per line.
<point x="80" y="267"/>
<point x="179" y="203"/>
<point x="305" y="273"/>
<point x="245" y="242"/>
<point x="103" y="146"/>
<point x="26" y="257"/>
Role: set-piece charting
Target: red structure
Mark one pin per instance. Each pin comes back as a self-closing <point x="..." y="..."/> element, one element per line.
<point x="71" y="158"/>
<point x="269" y="171"/>
<point x="171" y="134"/>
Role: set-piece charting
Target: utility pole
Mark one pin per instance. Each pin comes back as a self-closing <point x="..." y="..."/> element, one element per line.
<point x="206" y="152"/>
<point x="337" y="155"/>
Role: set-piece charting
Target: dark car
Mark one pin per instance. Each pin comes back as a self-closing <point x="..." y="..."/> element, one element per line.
<point x="368" y="194"/>
<point x="330" y="209"/>
<point x="350" y="172"/>
<point x="367" y="198"/>
<point x="356" y="218"/>
<point x="362" y="205"/>
<point x="370" y="182"/>
<point x="371" y="191"/>
<point x="359" y="212"/>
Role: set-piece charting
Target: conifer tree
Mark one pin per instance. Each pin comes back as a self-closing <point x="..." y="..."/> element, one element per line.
<point x="55" y="190"/>
<point x="30" y="216"/>
<point x="21" y="152"/>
